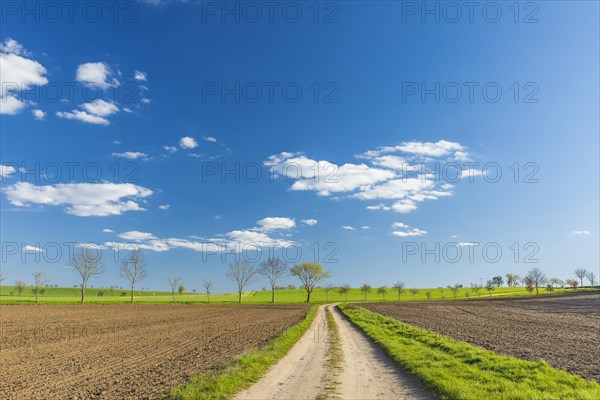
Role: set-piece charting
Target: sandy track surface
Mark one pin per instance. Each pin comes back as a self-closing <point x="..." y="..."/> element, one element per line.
<point x="563" y="330"/>
<point x="366" y="372"/>
<point x="300" y="373"/>
<point x="125" y="351"/>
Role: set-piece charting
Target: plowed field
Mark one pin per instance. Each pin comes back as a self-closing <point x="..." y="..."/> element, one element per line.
<point x="563" y="330"/>
<point x="125" y="351"/>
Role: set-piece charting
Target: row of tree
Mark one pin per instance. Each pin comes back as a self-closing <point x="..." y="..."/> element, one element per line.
<point x="134" y="268"/>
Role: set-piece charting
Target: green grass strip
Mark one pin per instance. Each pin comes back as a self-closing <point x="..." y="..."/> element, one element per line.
<point x="242" y="371"/>
<point x="457" y="370"/>
<point x="334" y="360"/>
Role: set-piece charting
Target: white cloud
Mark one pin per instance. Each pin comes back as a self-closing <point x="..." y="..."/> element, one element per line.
<point x="274" y="223"/>
<point x="188" y="143"/>
<point x="80" y="199"/>
<point x="100" y="108"/>
<point x="325" y="177"/>
<point x="404" y="230"/>
<point x="83" y="117"/>
<point x="309" y="222"/>
<point x="348" y="228"/>
<point x="106" y="230"/>
<point x="365" y="227"/>
<point x="38" y="114"/>
<point x="145" y="100"/>
<point x="17" y="73"/>
<point x="237" y="241"/>
<point x="170" y="149"/>
<point x="6" y="170"/>
<point x="132" y="155"/>
<point x="13" y="47"/>
<point x="218" y="217"/>
<point x="136" y="236"/>
<point x="390" y="177"/>
<point x="140" y="76"/>
<point x="164" y="207"/>
<point x="210" y="139"/>
<point x="10" y="105"/>
<point x="33" y="249"/>
<point x="95" y="74"/>
<point x="468" y="244"/>
<point x="580" y="233"/>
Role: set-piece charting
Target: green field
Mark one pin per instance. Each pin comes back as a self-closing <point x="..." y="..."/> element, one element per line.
<point x="456" y="370"/>
<point x="72" y="296"/>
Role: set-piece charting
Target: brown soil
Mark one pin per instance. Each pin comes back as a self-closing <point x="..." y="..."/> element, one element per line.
<point x="563" y="330"/>
<point x="125" y="351"/>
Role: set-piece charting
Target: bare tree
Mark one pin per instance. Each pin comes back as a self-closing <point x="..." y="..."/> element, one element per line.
<point x="273" y="269"/>
<point x="537" y="278"/>
<point x="39" y="279"/>
<point x="454" y="289"/>
<point x="573" y="283"/>
<point x="208" y="285"/>
<point x="174" y="281"/>
<point x="309" y="274"/>
<point x="414" y="292"/>
<point x="242" y="273"/>
<point x="399" y="286"/>
<point x="476" y="288"/>
<point x="382" y="291"/>
<point x="327" y="289"/>
<point x="581" y="273"/>
<point x="489" y="286"/>
<point x="343" y="290"/>
<point x="592" y="278"/>
<point x="364" y="289"/>
<point x="549" y="288"/>
<point x="87" y="264"/>
<point x="134" y="269"/>
<point x="510" y="280"/>
<point x="20" y="286"/>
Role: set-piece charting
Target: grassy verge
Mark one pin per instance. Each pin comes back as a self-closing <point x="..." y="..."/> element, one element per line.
<point x="243" y="370"/>
<point x="457" y="370"/>
<point x="334" y="358"/>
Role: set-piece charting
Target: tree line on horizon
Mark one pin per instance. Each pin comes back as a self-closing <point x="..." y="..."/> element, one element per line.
<point x="134" y="269"/>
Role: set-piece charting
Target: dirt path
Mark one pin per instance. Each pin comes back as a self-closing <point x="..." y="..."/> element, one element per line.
<point x="366" y="372"/>
<point x="299" y="374"/>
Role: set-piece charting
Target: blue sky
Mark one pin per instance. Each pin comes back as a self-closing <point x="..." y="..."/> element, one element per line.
<point x="337" y="106"/>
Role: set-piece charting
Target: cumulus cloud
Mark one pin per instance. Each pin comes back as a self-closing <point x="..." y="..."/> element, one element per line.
<point x="164" y="207"/>
<point x="236" y="240"/>
<point x="95" y="112"/>
<point x="95" y="74"/>
<point x="136" y="236"/>
<point x="106" y="230"/>
<point x="100" y="107"/>
<point x="6" y="170"/>
<point x="17" y="73"/>
<point x="131" y="155"/>
<point x="309" y="222"/>
<point x="403" y="230"/>
<point x="210" y="139"/>
<point x="83" y="117"/>
<point x="80" y="199"/>
<point x="140" y="76"/>
<point x="274" y="223"/>
<point x="392" y="175"/>
<point x="38" y="114"/>
<point x="170" y="149"/>
<point x="188" y="143"/>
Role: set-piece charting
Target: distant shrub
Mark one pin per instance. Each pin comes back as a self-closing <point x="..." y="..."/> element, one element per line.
<point x="100" y="293"/>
